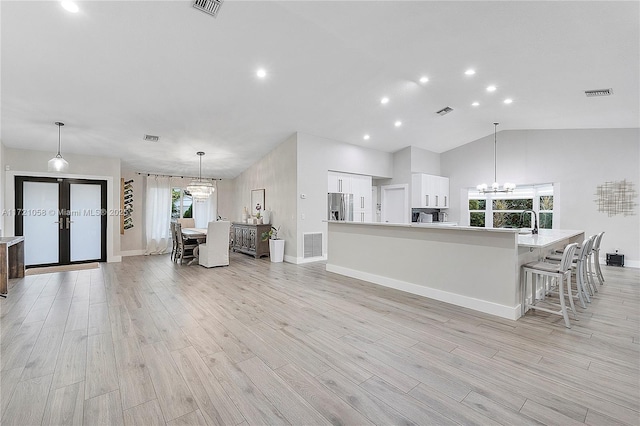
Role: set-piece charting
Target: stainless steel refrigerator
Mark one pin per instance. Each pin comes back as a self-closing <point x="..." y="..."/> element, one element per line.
<point x="340" y="206"/>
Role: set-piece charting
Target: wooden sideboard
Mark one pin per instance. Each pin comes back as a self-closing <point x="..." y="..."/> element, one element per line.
<point x="246" y="239"/>
<point x="11" y="261"/>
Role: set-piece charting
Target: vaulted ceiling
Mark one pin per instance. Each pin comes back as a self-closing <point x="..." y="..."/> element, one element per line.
<point x="118" y="70"/>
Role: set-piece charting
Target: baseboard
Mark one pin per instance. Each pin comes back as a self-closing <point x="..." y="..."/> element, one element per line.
<point x="491" y="308"/>
<point x="132" y="253"/>
<point x="301" y="260"/>
<point x="114" y="259"/>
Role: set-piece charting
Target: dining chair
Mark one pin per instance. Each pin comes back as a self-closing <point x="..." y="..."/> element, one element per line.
<point x="184" y="249"/>
<point x="215" y="252"/>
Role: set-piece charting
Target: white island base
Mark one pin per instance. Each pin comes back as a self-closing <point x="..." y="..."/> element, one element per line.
<point x="476" y="268"/>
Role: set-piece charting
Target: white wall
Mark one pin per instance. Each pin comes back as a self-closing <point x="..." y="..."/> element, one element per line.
<point x="2" y="189"/>
<point x="34" y="163"/>
<point x="276" y="173"/>
<point x="424" y="161"/>
<point x="316" y="156"/>
<point x="577" y="161"/>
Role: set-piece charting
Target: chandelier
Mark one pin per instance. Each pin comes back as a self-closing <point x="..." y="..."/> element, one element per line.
<point x="57" y="163"/>
<point x="495" y="186"/>
<point x="199" y="188"/>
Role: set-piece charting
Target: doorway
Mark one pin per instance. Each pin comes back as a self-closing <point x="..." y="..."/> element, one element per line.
<point x="395" y="203"/>
<point x="64" y="221"/>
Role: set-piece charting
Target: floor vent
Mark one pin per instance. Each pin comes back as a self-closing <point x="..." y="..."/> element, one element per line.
<point x="599" y="92"/>
<point x="151" y="138"/>
<point x="312" y="244"/>
<point x="208" y="6"/>
<point x="444" y="111"/>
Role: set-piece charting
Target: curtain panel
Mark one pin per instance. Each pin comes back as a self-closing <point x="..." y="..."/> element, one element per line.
<point x="158" y="215"/>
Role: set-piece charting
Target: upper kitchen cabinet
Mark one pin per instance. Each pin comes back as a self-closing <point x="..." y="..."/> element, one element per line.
<point x="429" y="191"/>
<point x="340" y="182"/>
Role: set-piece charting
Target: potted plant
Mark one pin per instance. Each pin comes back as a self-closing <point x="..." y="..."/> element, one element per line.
<point x="258" y="215"/>
<point x="276" y="245"/>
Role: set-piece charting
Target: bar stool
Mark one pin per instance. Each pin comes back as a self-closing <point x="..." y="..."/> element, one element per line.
<point x="559" y="272"/>
<point x="579" y="261"/>
<point x="595" y="251"/>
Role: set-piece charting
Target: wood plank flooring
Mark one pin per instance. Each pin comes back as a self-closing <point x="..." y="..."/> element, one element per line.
<point x="149" y="342"/>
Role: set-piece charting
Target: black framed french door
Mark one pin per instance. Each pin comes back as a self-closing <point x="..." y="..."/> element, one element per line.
<point x="64" y="221"/>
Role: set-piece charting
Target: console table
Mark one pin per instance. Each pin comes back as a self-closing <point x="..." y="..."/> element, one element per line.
<point x="246" y="239"/>
<point x="11" y="261"/>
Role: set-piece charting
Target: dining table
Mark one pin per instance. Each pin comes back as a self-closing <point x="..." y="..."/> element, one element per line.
<point x="197" y="234"/>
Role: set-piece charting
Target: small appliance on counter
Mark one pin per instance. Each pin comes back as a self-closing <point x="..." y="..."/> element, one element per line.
<point x="425" y="217"/>
<point x="340" y="206"/>
<point x="441" y="217"/>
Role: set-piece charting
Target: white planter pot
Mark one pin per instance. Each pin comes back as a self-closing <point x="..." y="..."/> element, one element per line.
<point x="276" y="250"/>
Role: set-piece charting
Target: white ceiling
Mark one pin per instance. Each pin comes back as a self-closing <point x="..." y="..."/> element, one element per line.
<point x="119" y="69"/>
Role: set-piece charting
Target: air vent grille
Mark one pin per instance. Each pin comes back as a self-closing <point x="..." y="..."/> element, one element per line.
<point x="208" y="6"/>
<point x="444" y="111"/>
<point x="151" y="138"/>
<point x="599" y="92"/>
<point x="312" y="243"/>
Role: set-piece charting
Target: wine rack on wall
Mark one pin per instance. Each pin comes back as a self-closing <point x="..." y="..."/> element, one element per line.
<point x="126" y="205"/>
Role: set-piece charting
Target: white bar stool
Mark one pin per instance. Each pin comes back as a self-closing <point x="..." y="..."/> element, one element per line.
<point x="560" y="272"/>
<point x="580" y="261"/>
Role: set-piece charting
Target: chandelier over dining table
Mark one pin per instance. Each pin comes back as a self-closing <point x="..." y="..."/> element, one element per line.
<point x="199" y="188"/>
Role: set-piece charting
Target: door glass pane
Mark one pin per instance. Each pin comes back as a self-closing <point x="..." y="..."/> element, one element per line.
<point x="40" y="214"/>
<point x="85" y="223"/>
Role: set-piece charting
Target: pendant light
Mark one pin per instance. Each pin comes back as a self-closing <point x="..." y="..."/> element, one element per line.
<point x="495" y="186"/>
<point x="199" y="188"/>
<point x="57" y="163"/>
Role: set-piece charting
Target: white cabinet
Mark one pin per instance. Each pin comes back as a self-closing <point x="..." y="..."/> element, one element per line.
<point x="360" y="187"/>
<point x="340" y="182"/>
<point x="429" y="191"/>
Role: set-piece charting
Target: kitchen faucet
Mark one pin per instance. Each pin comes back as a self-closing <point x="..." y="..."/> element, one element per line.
<point x="535" y="220"/>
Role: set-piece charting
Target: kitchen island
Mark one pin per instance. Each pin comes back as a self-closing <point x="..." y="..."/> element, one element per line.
<point x="477" y="268"/>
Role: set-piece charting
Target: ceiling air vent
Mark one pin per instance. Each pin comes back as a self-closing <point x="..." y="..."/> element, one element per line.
<point x="208" y="6"/>
<point x="444" y="111"/>
<point x="600" y="92"/>
<point x="151" y="138"/>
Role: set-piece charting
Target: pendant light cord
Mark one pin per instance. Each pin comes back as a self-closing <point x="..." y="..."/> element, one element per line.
<point x="495" y="156"/>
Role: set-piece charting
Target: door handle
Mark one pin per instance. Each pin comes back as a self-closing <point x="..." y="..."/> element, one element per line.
<point x="61" y="222"/>
<point x="68" y="222"/>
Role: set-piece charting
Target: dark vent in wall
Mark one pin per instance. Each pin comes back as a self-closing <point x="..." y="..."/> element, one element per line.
<point x="599" y="92"/>
<point x="312" y="244"/>
<point x="212" y="7"/>
<point x="151" y="138"/>
<point x="444" y="111"/>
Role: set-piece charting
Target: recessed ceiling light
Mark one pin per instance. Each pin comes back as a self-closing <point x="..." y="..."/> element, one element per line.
<point x="424" y="79"/>
<point x="470" y="72"/>
<point x="261" y="73"/>
<point x="475" y="104"/>
<point x="384" y="100"/>
<point x="398" y="123"/>
<point x="366" y="137"/>
<point x="491" y="88"/>
<point x="508" y="101"/>
<point x="70" y="6"/>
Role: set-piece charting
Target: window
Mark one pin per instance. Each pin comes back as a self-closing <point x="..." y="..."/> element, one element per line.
<point x="181" y="203"/>
<point x="506" y="210"/>
<point x="477" y="209"/>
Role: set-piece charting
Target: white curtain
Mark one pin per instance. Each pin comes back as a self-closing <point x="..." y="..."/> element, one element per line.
<point x="158" y="214"/>
<point x="206" y="211"/>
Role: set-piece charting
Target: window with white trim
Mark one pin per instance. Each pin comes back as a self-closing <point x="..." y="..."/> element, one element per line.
<point x="501" y="210"/>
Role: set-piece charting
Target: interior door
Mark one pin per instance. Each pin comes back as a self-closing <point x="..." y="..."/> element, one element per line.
<point x="64" y="221"/>
<point x="395" y="205"/>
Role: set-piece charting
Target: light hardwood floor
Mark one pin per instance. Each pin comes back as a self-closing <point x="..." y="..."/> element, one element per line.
<point x="150" y="342"/>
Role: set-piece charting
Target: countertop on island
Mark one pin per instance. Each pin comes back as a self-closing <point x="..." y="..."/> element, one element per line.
<point x="546" y="237"/>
